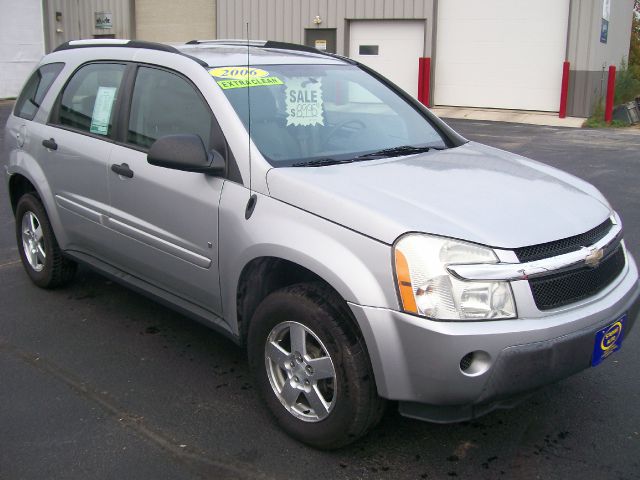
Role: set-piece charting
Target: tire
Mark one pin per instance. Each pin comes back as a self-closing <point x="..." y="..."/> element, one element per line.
<point x="39" y="251"/>
<point x="341" y="374"/>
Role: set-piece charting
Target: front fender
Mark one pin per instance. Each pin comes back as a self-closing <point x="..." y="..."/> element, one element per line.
<point x="357" y="267"/>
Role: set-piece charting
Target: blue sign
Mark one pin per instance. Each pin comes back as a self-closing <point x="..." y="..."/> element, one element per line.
<point x="608" y="340"/>
<point x="604" y="31"/>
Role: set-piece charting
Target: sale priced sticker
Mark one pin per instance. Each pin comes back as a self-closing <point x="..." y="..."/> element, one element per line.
<point x="303" y="98"/>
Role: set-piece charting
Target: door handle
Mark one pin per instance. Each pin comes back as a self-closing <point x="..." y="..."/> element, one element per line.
<point x="123" y="170"/>
<point x="50" y="144"/>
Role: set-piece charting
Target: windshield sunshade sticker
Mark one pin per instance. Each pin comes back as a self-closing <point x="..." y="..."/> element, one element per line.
<point x="252" y="82"/>
<point x="242" y="77"/>
<point x="303" y="98"/>
<point x="238" y="73"/>
<point x="102" y="110"/>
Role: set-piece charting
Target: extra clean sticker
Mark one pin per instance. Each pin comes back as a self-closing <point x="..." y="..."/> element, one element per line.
<point x="304" y="102"/>
<point x="102" y="110"/>
<point x="242" y="77"/>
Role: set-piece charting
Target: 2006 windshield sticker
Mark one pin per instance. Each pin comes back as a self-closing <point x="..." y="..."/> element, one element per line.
<point x="242" y="77"/>
<point x="303" y="99"/>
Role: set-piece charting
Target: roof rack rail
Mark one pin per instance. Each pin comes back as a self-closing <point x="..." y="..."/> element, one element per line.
<point x="73" y="44"/>
<point x="306" y="48"/>
<point x="256" y="43"/>
<point x="271" y="44"/>
<point x="291" y="46"/>
<point x="234" y="42"/>
<point x="98" y="42"/>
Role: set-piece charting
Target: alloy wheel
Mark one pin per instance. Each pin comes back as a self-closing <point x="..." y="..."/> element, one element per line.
<point x="300" y="371"/>
<point x="33" y="241"/>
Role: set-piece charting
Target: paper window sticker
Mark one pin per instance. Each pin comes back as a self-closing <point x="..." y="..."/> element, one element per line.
<point x="303" y="99"/>
<point x="102" y="110"/>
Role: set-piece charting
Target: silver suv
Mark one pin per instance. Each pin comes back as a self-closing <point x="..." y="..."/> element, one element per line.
<point x="307" y="208"/>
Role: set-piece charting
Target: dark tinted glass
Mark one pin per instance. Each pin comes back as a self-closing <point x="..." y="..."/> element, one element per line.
<point x="165" y="104"/>
<point x="368" y="50"/>
<point x="89" y="97"/>
<point x="36" y="88"/>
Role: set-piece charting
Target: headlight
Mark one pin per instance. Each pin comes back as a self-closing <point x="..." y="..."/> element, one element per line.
<point x="427" y="288"/>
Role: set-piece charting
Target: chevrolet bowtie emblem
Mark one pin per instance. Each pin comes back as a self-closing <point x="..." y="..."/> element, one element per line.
<point x="595" y="256"/>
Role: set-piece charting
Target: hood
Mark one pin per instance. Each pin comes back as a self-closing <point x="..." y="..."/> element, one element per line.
<point x="472" y="192"/>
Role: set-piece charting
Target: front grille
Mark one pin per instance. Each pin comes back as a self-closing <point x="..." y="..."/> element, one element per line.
<point x="563" y="288"/>
<point x="566" y="245"/>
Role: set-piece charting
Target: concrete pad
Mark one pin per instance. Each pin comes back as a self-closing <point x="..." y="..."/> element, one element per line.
<point x="512" y="116"/>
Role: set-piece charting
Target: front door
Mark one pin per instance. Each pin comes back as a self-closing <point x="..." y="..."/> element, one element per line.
<point x="166" y="220"/>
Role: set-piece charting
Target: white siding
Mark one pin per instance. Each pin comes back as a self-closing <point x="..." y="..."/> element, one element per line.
<point x="21" y="43"/>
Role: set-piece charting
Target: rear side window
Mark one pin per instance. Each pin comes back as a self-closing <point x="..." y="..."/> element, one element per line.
<point x="164" y="103"/>
<point x="35" y="90"/>
<point x="88" y="99"/>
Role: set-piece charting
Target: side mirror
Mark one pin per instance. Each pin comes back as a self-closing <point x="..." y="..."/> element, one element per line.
<point x="185" y="152"/>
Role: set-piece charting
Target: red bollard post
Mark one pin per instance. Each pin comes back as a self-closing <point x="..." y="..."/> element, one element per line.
<point x="564" y="90"/>
<point x="424" y="80"/>
<point x="420" y="79"/>
<point x="611" y="90"/>
<point x="427" y="81"/>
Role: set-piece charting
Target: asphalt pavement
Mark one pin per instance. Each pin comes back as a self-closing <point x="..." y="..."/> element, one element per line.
<point x="99" y="382"/>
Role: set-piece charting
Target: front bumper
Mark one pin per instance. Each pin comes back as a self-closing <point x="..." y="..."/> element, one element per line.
<point x="417" y="361"/>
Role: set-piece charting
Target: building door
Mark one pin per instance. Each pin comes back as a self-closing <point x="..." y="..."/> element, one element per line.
<point x="323" y="39"/>
<point x="500" y="54"/>
<point x="391" y="47"/>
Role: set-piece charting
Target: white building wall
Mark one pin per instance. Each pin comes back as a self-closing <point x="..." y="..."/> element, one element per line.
<point x="21" y="43"/>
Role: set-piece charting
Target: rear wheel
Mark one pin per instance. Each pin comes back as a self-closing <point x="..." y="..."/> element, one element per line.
<point x="39" y="251"/>
<point x="312" y="368"/>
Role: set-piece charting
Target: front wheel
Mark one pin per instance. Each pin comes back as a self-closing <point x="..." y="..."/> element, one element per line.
<point x="39" y="251"/>
<point x="312" y="367"/>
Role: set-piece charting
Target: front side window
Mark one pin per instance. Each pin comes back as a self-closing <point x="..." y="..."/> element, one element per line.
<point x="164" y="103"/>
<point x="88" y="100"/>
<point x="35" y="90"/>
<point x="318" y="114"/>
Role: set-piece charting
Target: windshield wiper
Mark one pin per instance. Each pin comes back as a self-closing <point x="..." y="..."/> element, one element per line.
<point x="387" y="152"/>
<point x="323" y="162"/>
<point x="399" y="151"/>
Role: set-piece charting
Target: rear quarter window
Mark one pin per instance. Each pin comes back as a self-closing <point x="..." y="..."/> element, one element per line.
<point x="35" y="90"/>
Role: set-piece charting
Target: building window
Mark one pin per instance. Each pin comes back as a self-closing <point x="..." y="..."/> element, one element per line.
<point x="368" y="50"/>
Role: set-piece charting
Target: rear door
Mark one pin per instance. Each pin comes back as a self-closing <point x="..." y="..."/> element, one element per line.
<point x="77" y="145"/>
<point x="166" y="220"/>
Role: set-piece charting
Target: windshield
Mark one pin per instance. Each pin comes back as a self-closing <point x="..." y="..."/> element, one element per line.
<point x="324" y="114"/>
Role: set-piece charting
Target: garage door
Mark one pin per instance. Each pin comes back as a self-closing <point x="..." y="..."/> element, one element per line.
<point x="391" y="47"/>
<point x="500" y="53"/>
